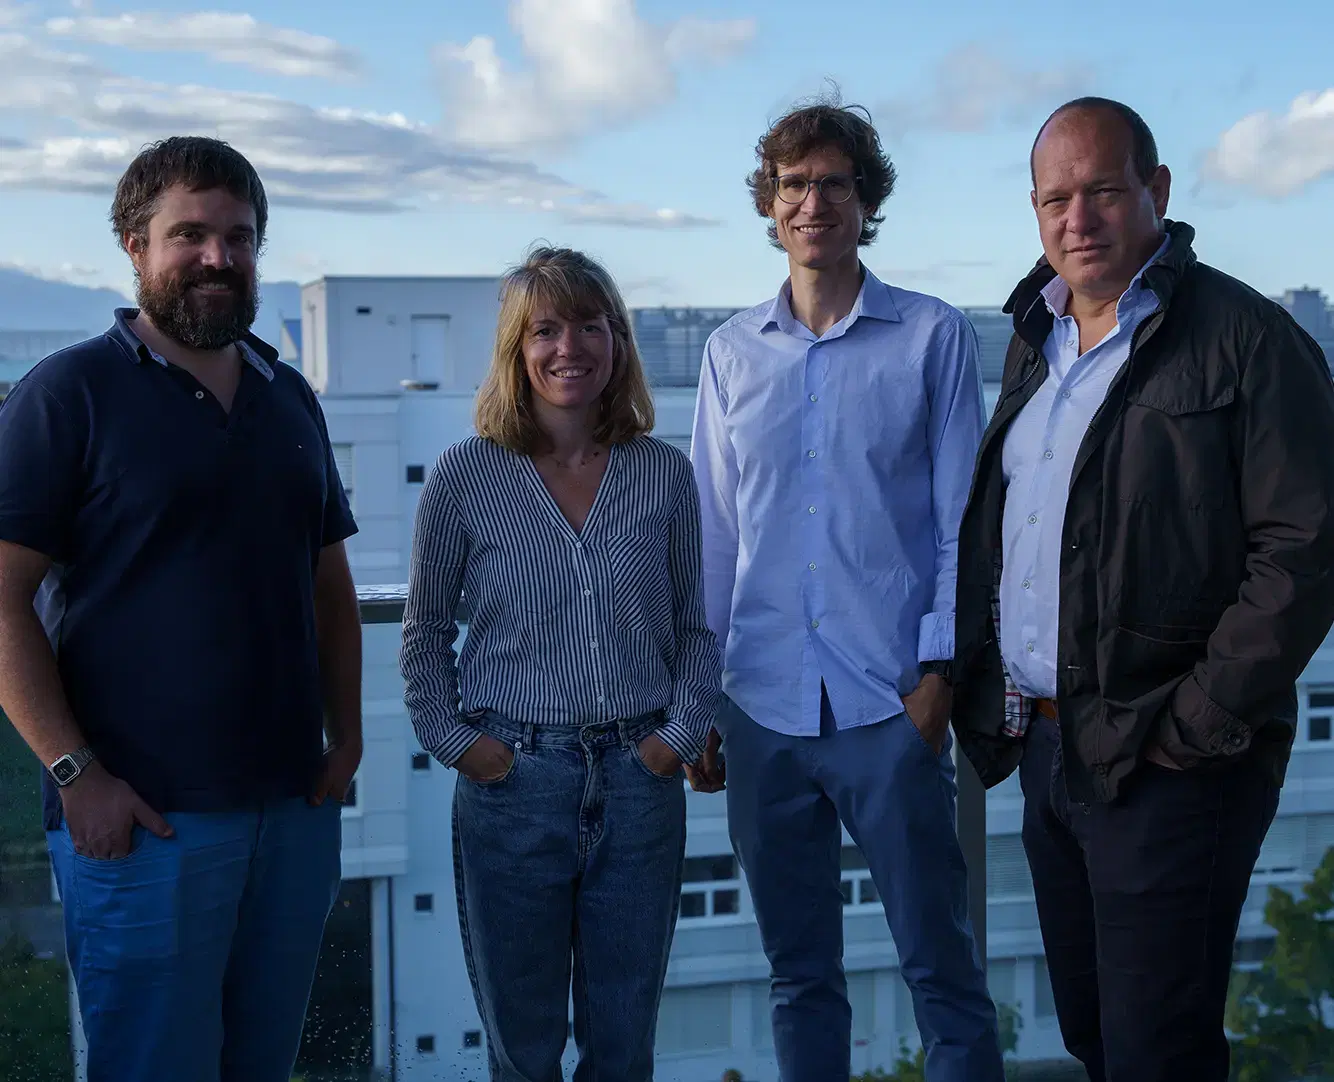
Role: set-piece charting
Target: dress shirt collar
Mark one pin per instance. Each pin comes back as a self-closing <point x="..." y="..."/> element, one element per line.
<point x="874" y="301"/>
<point x="1056" y="294"/>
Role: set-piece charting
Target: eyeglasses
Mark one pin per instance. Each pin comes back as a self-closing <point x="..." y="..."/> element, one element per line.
<point x="835" y="188"/>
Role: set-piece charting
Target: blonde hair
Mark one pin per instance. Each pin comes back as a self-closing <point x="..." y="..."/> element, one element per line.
<point x="577" y="287"/>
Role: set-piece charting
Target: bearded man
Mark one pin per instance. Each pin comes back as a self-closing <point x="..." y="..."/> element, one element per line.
<point x="178" y="636"/>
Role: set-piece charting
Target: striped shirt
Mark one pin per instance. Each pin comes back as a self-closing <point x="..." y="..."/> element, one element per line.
<point x="567" y="628"/>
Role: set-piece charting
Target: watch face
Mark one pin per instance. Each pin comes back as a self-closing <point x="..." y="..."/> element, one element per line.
<point x="64" y="770"/>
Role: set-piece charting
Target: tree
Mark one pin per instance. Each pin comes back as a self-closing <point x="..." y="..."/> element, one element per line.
<point x="1278" y="1012"/>
<point x="34" y="1016"/>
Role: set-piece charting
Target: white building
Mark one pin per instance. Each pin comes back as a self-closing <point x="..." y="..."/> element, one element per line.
<point x="397" y="362"/>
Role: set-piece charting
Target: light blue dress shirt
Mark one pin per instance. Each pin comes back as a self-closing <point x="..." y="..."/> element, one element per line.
<point x="1038" y="460"/>
<point x="832" y="475"/>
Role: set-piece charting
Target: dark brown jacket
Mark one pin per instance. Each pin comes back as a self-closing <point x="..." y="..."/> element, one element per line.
<point x="1197" y="558"/>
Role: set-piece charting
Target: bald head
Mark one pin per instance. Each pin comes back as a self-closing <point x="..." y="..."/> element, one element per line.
<point x="1100" y="197"/>
<point x="1104" y="113"/>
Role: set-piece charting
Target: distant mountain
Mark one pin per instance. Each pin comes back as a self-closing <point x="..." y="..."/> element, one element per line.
<point x="28" y="303"/>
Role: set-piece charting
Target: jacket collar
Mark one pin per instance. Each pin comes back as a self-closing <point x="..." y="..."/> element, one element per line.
<point x="1033" y="320"/>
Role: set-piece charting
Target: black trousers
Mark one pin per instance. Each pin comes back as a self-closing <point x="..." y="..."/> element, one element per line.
<point x="1139" y="902"/>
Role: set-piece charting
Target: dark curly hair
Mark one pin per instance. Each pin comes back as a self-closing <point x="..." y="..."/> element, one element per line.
<point x="195" y="162"/>
<point x="825" y="124"/>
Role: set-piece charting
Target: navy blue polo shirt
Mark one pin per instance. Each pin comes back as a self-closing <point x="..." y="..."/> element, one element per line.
<point x="184" y="542"/>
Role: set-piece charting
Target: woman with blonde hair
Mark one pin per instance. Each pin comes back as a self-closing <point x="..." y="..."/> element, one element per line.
<point x="587" y="680"/>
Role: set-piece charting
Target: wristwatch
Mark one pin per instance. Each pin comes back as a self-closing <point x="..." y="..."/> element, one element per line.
<point x="68" y="767"/>
<point x="943" y="669"/>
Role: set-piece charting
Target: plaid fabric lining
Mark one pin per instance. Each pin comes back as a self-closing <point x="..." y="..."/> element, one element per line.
<point x="1018" y="706"/>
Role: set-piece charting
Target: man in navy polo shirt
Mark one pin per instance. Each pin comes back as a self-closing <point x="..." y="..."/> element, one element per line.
<point x="178" y="631"/>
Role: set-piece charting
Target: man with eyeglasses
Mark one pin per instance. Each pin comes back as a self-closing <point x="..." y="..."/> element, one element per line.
<point x="833" y="447"/>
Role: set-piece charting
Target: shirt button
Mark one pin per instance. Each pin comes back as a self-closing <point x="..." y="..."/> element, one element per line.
<point x="593" y="643"/>
<point x="811" y="566"/>
<point x="1046" y="454"/>
<point x="1065" y="394"/>
<point x="1029" y="647"/>
<point x="815" y="398"/>
<point x="1032" y="520"/>
<point x="815" y="623"/>
<point x="810" y="454"/>
<point x="199" y="395"/>
<point x="588" y="593"/>
<point x="810" y="510"/>
<point x="602" y="698"/>
<point x="1027" y="584"/>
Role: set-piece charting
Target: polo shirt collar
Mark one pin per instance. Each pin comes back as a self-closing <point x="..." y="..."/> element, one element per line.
<point x="254" y="351"/>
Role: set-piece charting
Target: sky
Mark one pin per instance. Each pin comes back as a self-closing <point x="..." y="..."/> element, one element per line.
<point x="419" y="137"/>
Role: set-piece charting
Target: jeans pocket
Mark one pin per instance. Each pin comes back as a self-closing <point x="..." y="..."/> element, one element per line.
<point x="491" y="783"/>
<point x="639" y="761"/>
<point x="137" y="836"/>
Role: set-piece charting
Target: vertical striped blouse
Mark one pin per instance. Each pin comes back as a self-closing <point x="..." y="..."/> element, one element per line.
<point x="567" y="628"/>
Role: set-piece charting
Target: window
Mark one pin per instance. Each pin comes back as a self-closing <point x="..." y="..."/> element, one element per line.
<point x="1001" y="980"/>
<point x="472" y="1038"/>
<point x="1320" y="714"/>
<point x="421" y="761"/>
<point x="416" y="475"/>
<point x="1284" y="847"/>
<point x="695" y="1019"/>
<point x="1045" y="1005"/>
<point x="345" y="462"/>
<point x="1008" y="874"/>
<point x="856" y="884"/>
<point x="426" y="1045"/>
<point x="363" y="309"/>
<point x="905" y="1021"/>
<point x="423" y="903"/>
<point x="710" y="887"/>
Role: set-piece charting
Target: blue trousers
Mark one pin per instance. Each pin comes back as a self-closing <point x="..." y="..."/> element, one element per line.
<point x="568" y="869"/>
<point x="786" y="796"/>
<point x="194" y="955"/>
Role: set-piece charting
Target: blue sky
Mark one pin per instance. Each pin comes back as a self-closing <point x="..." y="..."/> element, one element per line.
<point x="416" y="137"/>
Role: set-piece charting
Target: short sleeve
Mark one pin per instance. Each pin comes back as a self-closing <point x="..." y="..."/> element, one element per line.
<point x="338" y="521"/>
<point x="41" y="471"/>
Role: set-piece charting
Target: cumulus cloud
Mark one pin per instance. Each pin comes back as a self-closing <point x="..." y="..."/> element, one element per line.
<point x="1276" y="155"/>
<point x="332" y="159"/>
<point x="591" y="64"/>
<point x="231" y="38"/>
<point x="974" y="88"/>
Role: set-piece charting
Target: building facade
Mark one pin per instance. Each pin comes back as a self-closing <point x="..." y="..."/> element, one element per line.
<point x="397" y="362"/>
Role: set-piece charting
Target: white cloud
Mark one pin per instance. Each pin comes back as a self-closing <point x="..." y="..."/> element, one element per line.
<point x="1277" y="155"/>
<point x="974" y="88"/>
<point x="334" y="159"/>
<point x="232" y="38"/>
<point x="592" y="63"/>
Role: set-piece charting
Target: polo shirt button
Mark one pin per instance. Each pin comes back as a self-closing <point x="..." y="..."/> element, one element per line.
<point x="199" y="395"/>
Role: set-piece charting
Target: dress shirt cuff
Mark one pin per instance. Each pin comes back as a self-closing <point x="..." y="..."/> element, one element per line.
<point x="457" y="740"/>
<point x="687" y="745"/>
<point x="936" y="639"/>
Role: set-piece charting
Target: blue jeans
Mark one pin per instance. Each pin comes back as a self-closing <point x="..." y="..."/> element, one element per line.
<point x="194" y="955"/>
<point x="574" y="856"/>
<point x="785" y="798"/>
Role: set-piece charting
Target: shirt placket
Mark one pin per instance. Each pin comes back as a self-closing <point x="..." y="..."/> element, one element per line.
<point x="813" y="446"/>
<point x="591" y="622"/>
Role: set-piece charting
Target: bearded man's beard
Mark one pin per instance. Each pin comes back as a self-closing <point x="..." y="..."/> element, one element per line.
<point x="195" y="320"/>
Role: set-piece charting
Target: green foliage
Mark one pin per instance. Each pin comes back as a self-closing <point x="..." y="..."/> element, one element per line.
<point x="911" y="1065"/>
<point x="34" y="1016"/>
<point x="1277" y="1011"/>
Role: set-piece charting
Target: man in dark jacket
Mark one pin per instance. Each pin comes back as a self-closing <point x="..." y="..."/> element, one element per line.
<point x="1144" y="571"/>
